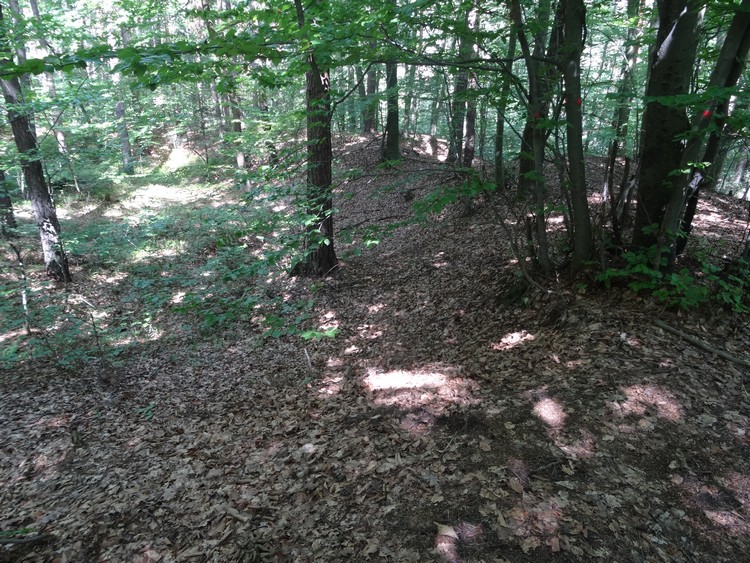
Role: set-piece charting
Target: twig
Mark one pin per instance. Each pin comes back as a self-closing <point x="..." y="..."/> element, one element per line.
<point x="701" y="344"/>
<point x="18" y="541"/>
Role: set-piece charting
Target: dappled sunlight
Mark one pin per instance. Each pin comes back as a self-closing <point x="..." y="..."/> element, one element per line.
<point x="401" y="379"/>
<point x="644" y="398"/>
<point x="179" y="157"/>
<point x="372" y="309"/>
<point x="369" y="332"/>
<point x="328" y="321"/>
<point x="440" y="261"/>
<point x="449" y="538"/>
<point x="511" y="340"/>
<point x="408" y="390"/>
<point x="331" y="385"/>
<point x="550" y="411"/>
<point x="537" y="521"/>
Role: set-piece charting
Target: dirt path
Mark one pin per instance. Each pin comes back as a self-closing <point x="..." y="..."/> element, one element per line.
<point x="449" y="418"/>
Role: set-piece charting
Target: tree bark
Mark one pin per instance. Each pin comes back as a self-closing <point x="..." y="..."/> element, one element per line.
<point x="726" y="74"/>
<point x="531" y="166"/>
<point x="126" y="152"/>
<point x="392" y="150"/>
<point x="370" y="109"/>
<point x="500" y="125"/>
<point x="665" y="124"/>
<point x="45" y="214"/>
<point x="320" y="258"/>
<point x="8" y="221"/>
<point x="621" y="117"/>
<point x="575" y="20"/>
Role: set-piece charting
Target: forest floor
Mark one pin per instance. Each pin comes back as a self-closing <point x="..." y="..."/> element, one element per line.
<point x="453" y="417"/>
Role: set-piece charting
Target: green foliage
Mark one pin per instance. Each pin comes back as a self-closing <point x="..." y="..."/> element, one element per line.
<point x="685" y="288"/>
<point x="146" y="412"/>
<point x="439" y="199"/>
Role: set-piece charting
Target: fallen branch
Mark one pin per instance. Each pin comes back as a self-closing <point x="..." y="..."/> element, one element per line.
<point x="701" y="344"/>
<point x="31" y="539"/>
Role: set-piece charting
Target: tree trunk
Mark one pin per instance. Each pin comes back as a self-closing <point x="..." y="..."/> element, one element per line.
<point x="575" y="21"/>
<point x="45" y="214"/>
<point x="500" y="125"/>
<point x="665" y="125"/>
<point x="408" y="98"/>
<point x="122" y="131"/>
<point x="320" y="256"/>
<point x="370" y="110"/>
<point x="622" y="116"/>
<point x="726" y="74"/>
<point x="8" y="221"/>
<point x="531" y="170"/>
<point x="392" y="150"/>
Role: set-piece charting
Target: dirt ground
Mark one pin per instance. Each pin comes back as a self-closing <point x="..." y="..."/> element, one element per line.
<point x="458" y="416"/>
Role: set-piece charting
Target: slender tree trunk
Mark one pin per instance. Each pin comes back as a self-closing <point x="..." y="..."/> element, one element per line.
<point x="622" y="116"/>
<point x="392" y="150"/>
<point x="370" y="110"/>
<point x="320" y="258"/>
<point x="126" y="152"/>
<point x="575" y="21"/>
<point x="458" y="105"/>
<point x="45" y="214"/>
<point x="408" y="98"/>
<point x="726" y="74"/>
<point x="500" y="125"/>
<point x="8" y="221"/>
<point x="470" y="134"/>
<point x="531" y="170"/>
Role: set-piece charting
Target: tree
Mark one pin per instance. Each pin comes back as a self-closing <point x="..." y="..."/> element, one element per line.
<point x="320" y="258"/>
<point x="575" y="15"/>
<point x="665" y="120"/>
<point x="45" y="214"/>
<point x="391" y="143"/>
<point x="725" y="75"/>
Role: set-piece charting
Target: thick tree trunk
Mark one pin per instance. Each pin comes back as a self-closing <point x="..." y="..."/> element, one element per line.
<point x="575" y="21"/>
<point x="392" y="150"/>
<point x="665" y="125"/>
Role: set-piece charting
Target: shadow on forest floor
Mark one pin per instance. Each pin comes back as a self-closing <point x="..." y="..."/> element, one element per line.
<point x="453" y="416"/>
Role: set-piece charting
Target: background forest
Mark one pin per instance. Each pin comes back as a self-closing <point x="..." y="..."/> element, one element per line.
<point x="237" y="208"/>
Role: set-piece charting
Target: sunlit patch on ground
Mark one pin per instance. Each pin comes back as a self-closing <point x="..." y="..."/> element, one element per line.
<point x="328" y="321"/>
<point x="369" y="332"/>
<point x="552" y="413"/>
<point x="449" y="538"/>
<point x="511" y="340"/>
<point x="431" y="391"/>
<point x="644" y="398"/>
<point x="178" y="158"/>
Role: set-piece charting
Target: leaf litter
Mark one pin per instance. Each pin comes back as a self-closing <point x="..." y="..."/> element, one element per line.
<point x="449" y="420"/>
